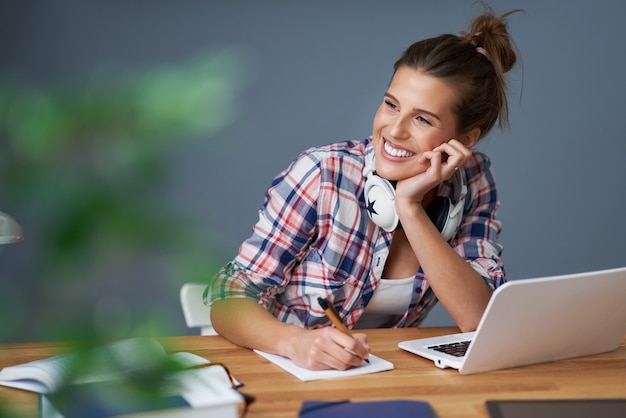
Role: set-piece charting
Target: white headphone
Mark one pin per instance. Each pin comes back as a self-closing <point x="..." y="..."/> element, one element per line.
<point x="445" y="213"/>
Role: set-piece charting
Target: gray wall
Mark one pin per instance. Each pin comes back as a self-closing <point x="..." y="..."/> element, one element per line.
<point x="318" y="70"/>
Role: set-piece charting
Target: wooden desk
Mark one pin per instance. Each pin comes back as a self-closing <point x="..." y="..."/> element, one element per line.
<point x="450" y="394"/>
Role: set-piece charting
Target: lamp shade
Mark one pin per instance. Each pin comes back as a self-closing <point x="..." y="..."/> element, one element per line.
<point x="10" y="230"/>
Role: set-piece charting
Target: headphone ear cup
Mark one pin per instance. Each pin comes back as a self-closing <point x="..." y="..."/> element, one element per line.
<point x="438" y="211"/>
<point x="380" y="198"/>
<point x="445" y="216"/>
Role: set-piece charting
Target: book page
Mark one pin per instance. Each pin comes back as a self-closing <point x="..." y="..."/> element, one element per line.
<point x="376" y="364"/>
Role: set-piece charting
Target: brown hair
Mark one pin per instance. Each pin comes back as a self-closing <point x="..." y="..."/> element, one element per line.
<point x="474" y="62"/>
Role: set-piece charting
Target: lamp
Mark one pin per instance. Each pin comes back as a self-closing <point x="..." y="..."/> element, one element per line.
<point x="10" y="230"/>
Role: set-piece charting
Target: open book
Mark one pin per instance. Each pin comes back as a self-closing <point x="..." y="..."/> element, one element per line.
<point x="192" y="387"/>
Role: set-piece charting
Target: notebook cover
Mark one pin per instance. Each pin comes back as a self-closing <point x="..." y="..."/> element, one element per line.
<point x="367" y="409"/>
<point x="100" y="400"/>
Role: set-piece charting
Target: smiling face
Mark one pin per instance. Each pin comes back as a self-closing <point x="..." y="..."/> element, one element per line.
<point x="415" y="116"/>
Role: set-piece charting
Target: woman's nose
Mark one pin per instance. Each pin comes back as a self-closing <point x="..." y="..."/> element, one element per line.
<point x="399" y="129"/>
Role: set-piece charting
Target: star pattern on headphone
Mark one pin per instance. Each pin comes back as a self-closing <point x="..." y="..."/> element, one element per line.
<point x="370" y="207"/>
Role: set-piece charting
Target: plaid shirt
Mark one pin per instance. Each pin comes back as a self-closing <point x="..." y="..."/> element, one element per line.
<point x="314" y="238"/>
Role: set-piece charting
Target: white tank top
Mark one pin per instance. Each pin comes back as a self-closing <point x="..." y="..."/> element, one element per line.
<point x="391" y="298"/>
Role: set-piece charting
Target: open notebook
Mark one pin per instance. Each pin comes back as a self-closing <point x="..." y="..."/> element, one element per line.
<point x="537" y="320"/>
<point x="375" y="365"/>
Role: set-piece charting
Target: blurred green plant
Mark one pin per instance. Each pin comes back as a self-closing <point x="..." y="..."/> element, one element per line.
<point x="84" y="166"/>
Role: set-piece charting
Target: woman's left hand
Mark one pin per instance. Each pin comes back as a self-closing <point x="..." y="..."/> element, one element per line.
<point x="442" y="162"/>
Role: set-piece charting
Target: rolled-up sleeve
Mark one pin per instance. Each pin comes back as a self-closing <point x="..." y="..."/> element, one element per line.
<point x="286" y="226"/>
<point x="477" y="238"/>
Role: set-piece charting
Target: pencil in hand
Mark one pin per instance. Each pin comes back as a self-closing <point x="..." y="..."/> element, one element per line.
<point x="332" y="314"/>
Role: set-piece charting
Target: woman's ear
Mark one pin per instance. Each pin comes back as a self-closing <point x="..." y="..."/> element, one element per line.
<point x="471" y="138"/>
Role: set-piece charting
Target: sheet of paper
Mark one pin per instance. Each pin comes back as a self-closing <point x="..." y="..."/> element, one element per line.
<point x="376" y="364"/>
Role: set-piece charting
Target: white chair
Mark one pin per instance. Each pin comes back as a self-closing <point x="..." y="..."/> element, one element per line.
<point x="197" y="314"/>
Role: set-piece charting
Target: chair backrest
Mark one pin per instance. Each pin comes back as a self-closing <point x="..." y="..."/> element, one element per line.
<point x="197" y="314"/>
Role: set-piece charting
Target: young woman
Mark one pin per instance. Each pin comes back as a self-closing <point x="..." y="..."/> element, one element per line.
<point x="384" y="227"/>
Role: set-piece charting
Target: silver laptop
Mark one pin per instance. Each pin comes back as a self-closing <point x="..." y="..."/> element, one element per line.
<point x="535" y="321"/>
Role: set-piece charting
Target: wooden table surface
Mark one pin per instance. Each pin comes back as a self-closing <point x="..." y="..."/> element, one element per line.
<point x="278" y="394"/>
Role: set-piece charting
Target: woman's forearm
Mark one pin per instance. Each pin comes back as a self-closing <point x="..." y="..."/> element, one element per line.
<point x="459" y="288"/>
<point x="246" y="323"/>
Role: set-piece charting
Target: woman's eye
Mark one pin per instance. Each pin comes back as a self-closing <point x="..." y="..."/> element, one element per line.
<point x="423" y="120"/>
<point x="391" y="105"/>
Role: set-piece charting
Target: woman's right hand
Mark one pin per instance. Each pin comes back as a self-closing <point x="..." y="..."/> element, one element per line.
<point x="246" y="323"/>
<point x="327" y="348"/>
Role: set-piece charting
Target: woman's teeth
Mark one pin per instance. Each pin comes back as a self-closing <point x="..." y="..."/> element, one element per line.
<point x="397" y="152"/>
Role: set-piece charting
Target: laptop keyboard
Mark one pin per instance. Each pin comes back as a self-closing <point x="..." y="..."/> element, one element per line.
<point x="456" y="349"/>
